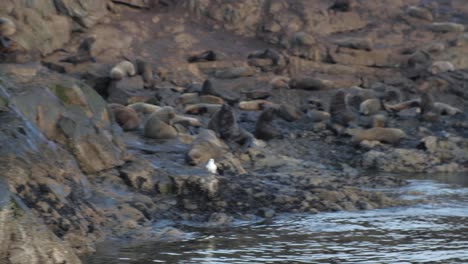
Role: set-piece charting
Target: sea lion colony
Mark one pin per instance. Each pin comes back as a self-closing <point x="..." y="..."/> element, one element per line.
<point x="357" y="112"/>
<point x="291" y="111"/>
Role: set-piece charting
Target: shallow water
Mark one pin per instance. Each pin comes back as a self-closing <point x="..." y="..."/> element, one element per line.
<point x="434" y="232"/>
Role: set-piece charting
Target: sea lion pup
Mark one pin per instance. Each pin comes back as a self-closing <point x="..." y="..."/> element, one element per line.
<point x="381" y="134"/>
<point x="441" y="66"/>
<point x="158" y="125"/>
<point x="445" y="109"/>
<point x="126" y="117"/>
<point x="343" y="5"/>
<point x="205" y="147"/>
<point x="208" y="55"/>
<point x="370" y="106"/>
<point x="144" y="108"/>
<point x="7" y="27"/>
<point x="146" y="71"/>
<point x="339" y="111"/>
<point x="264" y="129"/>
<point x="224" y="123"/>
<point x="122" y="69"/>
<point x="83" y="54"/>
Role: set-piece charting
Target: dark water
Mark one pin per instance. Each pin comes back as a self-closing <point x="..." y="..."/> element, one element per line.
<point x="433" y="232"/>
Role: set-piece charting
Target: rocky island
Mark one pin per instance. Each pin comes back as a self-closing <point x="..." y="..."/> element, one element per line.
<point x="111" y="109"/>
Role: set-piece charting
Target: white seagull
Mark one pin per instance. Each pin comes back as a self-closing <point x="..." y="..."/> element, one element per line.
<point x="211" y="166"/>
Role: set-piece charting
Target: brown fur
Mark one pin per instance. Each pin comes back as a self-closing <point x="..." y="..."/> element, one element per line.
<point x="264" y="128"/>
<point x="370" y="107"/>
<point x="402" y="106"/>
<point x="339" y="111"/>
<point x="382" y="134"/>
<point x="158" y="125"/>
<point x="201" y="108"/>
<point x="126" y="117"/>
<point x="144" y="108"/>
<point x="146" y="71"/>
<point x="254" y="105"/>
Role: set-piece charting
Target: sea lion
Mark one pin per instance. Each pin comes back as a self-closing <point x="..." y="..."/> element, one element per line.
<point x="264" y="128"/>
<point x="354" y="101"/>
<point x="381" y="134"/>
<point x="7" y="27"/>
<point x="444" y="27"/>
<point x="199" y="109"/>
<point x="287" y="112"/>
<point x="280" y="82"/>
<point x="254" y="105"/>
<point x="343" y="5"/>
<point x="370" y="106"/>
<point x="144" y="108"/>
<point x="441" y="66"/>
<point x="445" y="109"/>
<point x="271" y="54"/>
<point x="378" y="120"/>
<point x="394" y="108"/>
<point x="146" y="71"/>
<point x="205" y="147"/>
<point x="392" y="96"/>
<point x="83" y="54"/>
<point x="186" y="121"/>
<point x="339" y="111"/>
<point x="310" y="83"/>
<point x="122" y="69"/>
<point x="195" y="98"/>
<point x="126" y="117"/>
<point x="420" y="12"/>
<point x="278" y="61"/>
<point x="158" y="125"/>
<point x="224" y="123"/>
<point x="226" y="94"/>
<point x="316" y="116"/>
<point x="208" y="55"/>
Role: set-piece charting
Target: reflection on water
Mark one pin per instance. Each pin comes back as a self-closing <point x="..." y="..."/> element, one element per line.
<point x="436" y="232"/>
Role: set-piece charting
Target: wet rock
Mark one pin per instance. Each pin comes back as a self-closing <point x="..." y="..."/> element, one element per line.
<point x="139" y="175"/>
<point x="128" y="90"/>
<point x="206" y="146"/>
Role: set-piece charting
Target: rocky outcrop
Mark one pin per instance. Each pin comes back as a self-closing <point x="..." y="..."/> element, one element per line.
<point x="435" y="155"/>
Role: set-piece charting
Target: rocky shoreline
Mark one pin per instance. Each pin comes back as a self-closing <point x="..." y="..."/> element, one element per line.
<point x="310" y="106"/>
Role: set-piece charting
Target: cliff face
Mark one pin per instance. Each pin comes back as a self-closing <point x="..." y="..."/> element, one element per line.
<point x="68" y="180"/>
